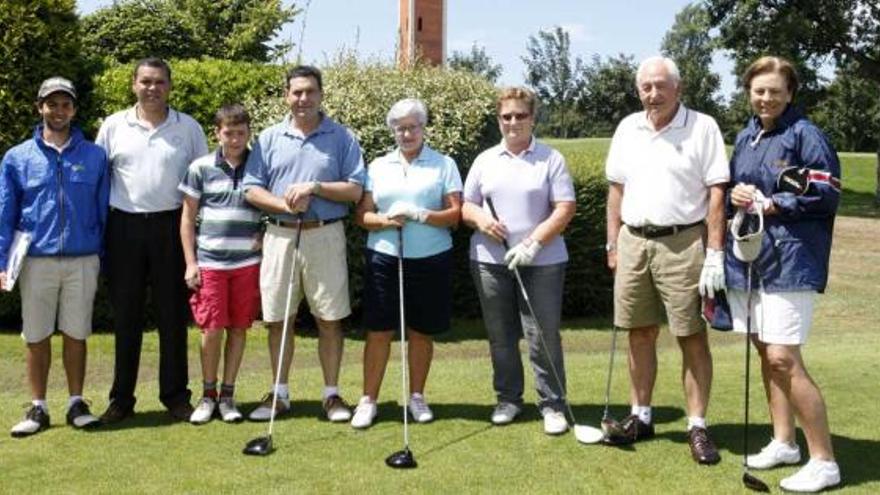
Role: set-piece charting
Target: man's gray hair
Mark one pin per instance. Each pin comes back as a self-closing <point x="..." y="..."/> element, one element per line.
<point x="667" y="62"/>
<point x="405" y="108"/>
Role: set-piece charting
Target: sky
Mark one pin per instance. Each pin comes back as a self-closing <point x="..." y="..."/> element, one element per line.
<point x="502" y="27"/>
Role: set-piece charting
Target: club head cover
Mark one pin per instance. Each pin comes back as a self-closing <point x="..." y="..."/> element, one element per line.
<point x="794" y="180"/>
<point x="716" y="312"/>
<point x="748" y="232"/>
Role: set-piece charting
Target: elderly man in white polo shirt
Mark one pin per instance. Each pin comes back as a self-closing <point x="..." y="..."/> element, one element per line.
<point x="149" y="147"/>
<point x="667" y="172"/>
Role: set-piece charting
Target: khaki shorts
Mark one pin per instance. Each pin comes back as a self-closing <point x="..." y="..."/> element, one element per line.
<point x="321" y="272"/>
<point x="653" y="274"/>
<point x="58" y="287"/>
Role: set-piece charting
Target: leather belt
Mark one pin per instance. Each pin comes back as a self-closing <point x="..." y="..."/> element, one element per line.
<point x="654" y="231"/>
<point x="306" y="224"/>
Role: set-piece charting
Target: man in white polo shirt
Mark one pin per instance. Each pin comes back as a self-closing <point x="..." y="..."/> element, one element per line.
<point x="667" y="172"/>
<point x="149" y="147"/>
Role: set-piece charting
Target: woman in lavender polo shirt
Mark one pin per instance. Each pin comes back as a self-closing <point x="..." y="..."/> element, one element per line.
<point x="417" y="190"/>
<point x="534" y="198"/>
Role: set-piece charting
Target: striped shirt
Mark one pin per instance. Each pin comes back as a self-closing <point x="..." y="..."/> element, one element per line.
<point x="229" y="230"/>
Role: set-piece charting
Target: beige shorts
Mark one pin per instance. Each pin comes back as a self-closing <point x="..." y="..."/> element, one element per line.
<point x="777" y="317"/>
<point x="657" y="274"/>
<point x="61" y="288"/>
<point x="321" y="272"/>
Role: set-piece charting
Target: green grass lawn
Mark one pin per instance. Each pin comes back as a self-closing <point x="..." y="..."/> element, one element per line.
<point x="460" y="451"/>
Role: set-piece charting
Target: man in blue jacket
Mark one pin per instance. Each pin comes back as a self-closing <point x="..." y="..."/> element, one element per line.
<point x="55" y="187"/>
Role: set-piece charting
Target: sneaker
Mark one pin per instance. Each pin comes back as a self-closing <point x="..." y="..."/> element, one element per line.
<point x="776" y="453"/>
<point x="636" y="429"/>
<point x="504" y="413"/>
<point x="815" y="476"/>
<point x="703" y="449"/>
<point x="364" y="413"/>
<point x="264" y="411"/>
<point x="336" y="409"/>
<point x="229" y="413"/>
<point x="203" y="412"/>
<point x="79" y="416"/>
<point x="554" y="422"/>
<point x="116" y="412"/>
<point x="419" y="409"/>
<point x="182" y="411"/>
<point x="36" y="419"/>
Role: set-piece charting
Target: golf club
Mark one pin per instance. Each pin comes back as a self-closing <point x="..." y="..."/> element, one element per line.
<point x="263" y="445"/>
<point x="749" y="480"/>
<point x="614" y="432"/>
<point x="583" y="433"/>
<point x="402" y="459"/>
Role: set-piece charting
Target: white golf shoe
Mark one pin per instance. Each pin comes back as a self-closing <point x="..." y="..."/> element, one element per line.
<point x="504" y="413"/>
<point x="203" y="412"/>
<point x="554" y="422"/>
<point x="364" y="413"/>
<point x="815" y="476"/>
<point x="229" y="412"/>
<point x="774" y="454"/>
<point x="419" y="409"/>
<point x="264" y="411"/>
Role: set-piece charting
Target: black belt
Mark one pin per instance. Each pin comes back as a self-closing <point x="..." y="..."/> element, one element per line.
<point x="653" y="231"/>
<point x="306" y="224"/>
<point x="146" y="214"/>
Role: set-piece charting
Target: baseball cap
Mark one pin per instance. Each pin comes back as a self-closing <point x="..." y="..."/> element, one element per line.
<point x="54" y="85"/>
<point x="748" y="232"/>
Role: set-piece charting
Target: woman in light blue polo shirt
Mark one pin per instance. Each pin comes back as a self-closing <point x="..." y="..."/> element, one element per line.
<point x="418" y="190"/>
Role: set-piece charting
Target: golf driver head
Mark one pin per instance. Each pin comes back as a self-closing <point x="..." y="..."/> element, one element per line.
<point x="259" y="446"/>
<point x="754" y="484"/>
<point x="614" y="432"/>
<point x="588" y="434"/>
<point x="402" y="459"/>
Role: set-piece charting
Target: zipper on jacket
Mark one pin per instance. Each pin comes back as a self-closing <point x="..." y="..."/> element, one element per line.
<point x="58" y="164"/>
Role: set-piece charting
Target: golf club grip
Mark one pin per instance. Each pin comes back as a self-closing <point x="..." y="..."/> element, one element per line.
<point x="495" y="216"/>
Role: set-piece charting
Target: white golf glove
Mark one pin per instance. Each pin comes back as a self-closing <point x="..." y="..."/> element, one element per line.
<point x="712" y="276"/>
<point x="760" y="202"/>
<point x="523" y="253"/>
<point x="408" y="210"/>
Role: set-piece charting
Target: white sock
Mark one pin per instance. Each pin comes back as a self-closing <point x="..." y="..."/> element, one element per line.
<point x="643" y="412"/>
<point x="41" y="403"/>
<point x="282" y="390"/>
<point x="73" y="400"/>
<point x="330" y="391"/>
<point x="696" y="422"/>
<point x="416" y="395"/>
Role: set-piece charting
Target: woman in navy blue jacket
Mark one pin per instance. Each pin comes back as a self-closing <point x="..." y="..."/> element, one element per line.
<point x="785" y="166"/>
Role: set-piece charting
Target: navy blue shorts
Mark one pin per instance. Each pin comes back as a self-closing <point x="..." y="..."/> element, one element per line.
<point x="427" y="292"/>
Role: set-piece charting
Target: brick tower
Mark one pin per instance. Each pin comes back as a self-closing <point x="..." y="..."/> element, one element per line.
<point x="422" y="31"/>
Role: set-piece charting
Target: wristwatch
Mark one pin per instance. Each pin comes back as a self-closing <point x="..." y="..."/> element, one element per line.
<point x="316" y="187"/>
<point x="611" y="246"/>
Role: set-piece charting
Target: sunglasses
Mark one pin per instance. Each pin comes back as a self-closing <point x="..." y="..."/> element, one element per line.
<point x="507" y="117"/>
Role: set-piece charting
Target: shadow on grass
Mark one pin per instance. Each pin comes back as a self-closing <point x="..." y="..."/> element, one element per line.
<point x="858" y="204"/>
<point x="857" y="457"/>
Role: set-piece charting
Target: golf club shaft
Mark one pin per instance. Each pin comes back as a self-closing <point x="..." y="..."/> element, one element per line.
<point x="286" y="324"/>
<point x="748" y="356"/>
<point x="403" y="352"/>
<point x="540" y="330"/>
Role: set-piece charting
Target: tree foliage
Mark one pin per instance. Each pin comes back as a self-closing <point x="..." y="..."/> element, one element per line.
<point x="40" y="39"/>
<point x="556" y="77"/>
<point x="850" y="111"/>
<point x="229" y="29"/>
<point x="609" y="94"/>
<point x="476" y="61"/>
<point x="688" y="43"/>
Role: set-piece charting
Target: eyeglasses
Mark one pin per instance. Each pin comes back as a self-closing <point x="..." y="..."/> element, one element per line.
<point x="507" y="117"/>
<point x="407" y="129"/>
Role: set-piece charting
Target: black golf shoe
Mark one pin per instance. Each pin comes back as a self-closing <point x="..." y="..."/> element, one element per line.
<point x="79" y="416"/>
<point x="632" y="430"/>
<point x="703" y="449"/>
<point x="36" y="419"/>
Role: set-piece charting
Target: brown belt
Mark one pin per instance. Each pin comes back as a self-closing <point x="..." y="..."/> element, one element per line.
<point x="653" y="231"/>
<point x="306" y="224"/>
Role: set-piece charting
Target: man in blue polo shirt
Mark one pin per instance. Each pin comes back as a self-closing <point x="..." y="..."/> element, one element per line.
<point x="304" y="170"/>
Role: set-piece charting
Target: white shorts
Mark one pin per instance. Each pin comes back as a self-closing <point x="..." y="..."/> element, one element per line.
<point x="781" y="318"/>
<point x="321" y="272"/>
<point x="58" y="287"/>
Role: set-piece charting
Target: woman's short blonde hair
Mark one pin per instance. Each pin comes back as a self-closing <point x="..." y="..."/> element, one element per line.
<point x="775" y="64"/>
<point x="517" y="93"/>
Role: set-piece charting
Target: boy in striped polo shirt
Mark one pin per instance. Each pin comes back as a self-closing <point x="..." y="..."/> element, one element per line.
<point x="222" y="258"/>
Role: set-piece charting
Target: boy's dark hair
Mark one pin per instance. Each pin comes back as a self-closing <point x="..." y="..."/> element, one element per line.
<point x="232" y="114"/>
<point x="154" y="62"/>
<point x="304" y="71"/>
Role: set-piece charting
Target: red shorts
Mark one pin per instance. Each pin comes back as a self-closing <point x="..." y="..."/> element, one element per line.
<point x="227" y="298"/>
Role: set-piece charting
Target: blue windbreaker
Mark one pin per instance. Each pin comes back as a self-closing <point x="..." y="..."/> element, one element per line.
<point x="61" y="198"/>
<point x="797" y="241"/>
